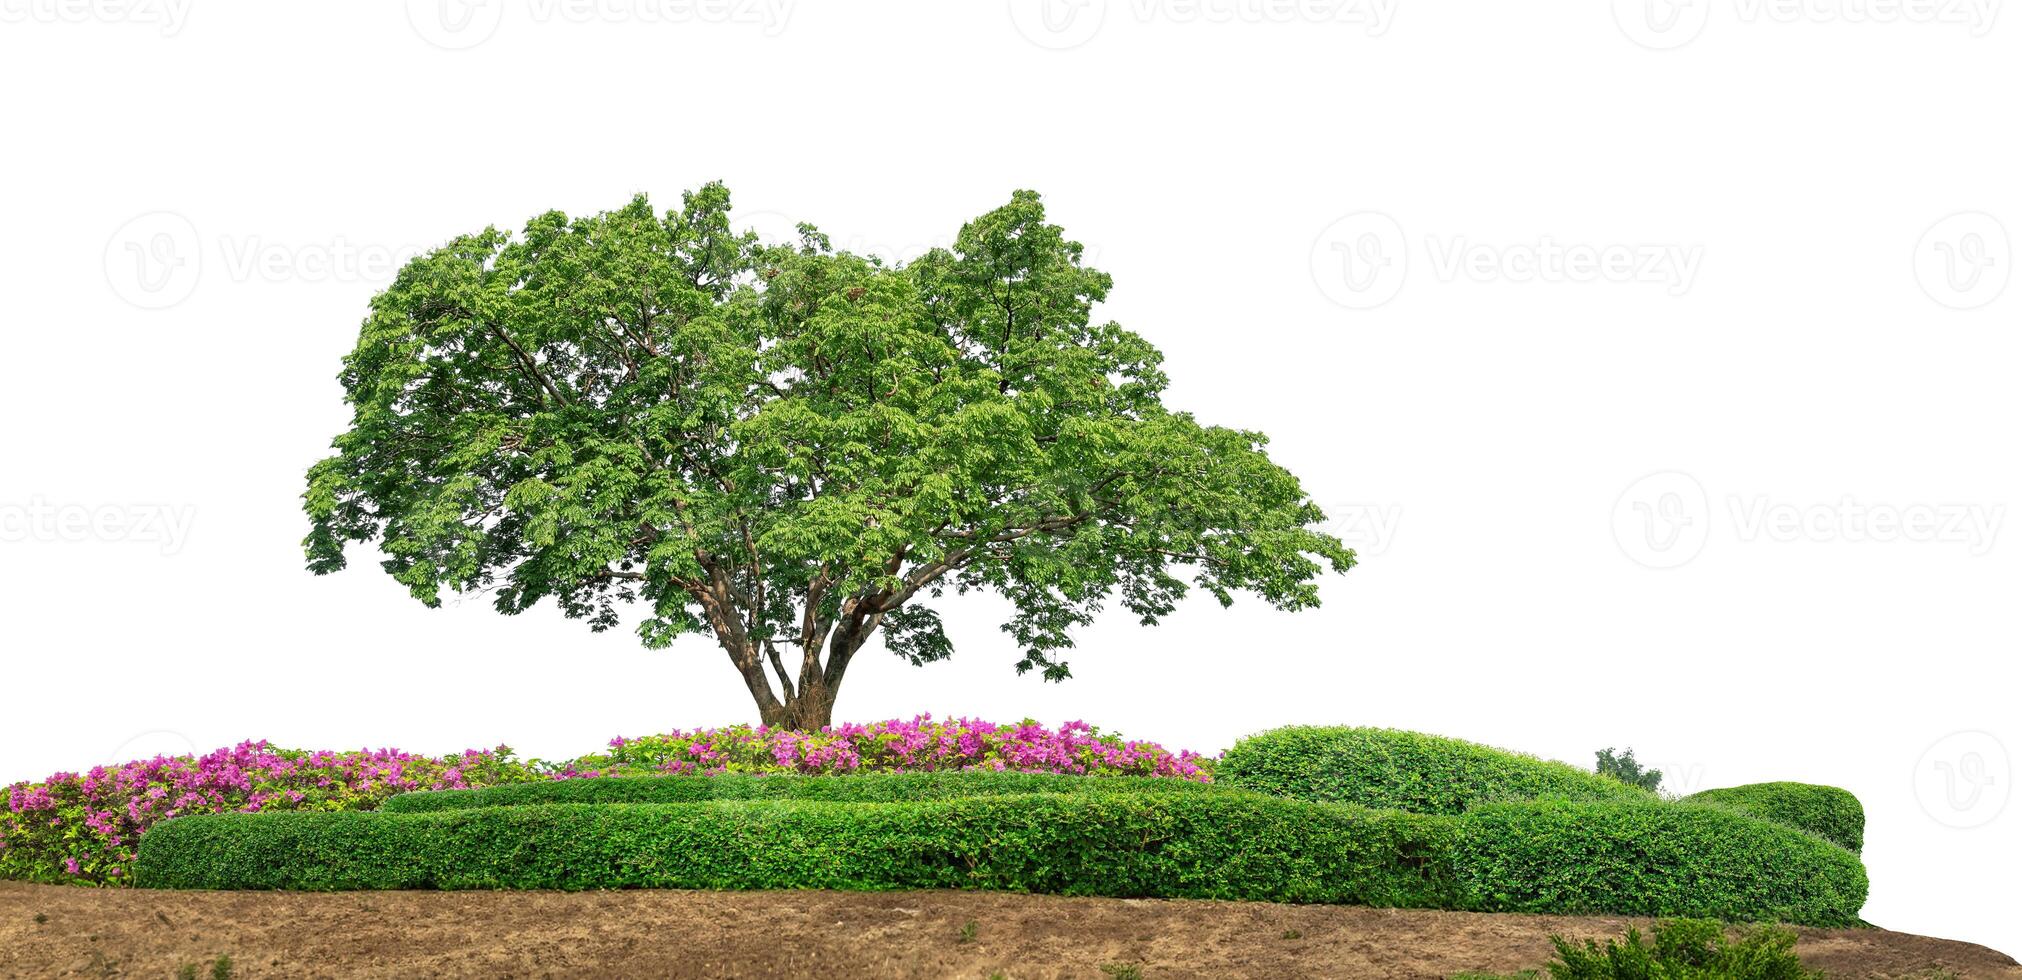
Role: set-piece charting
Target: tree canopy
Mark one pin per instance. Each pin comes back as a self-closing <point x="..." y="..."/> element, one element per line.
<point x="790" y="448"/>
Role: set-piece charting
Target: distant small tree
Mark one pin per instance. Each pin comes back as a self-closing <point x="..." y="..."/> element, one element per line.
<point x="789" y="448"/>
<point x="1625" y="768"/>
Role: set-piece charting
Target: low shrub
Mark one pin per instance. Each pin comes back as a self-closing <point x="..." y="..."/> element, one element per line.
<point x="861" y="788"/>
<point x="1828" y="811"/>
<point x="1168" y="845"/>
<point x="1383" y="768"/>
<point x="1684" y="950"/>
<point x="1653" y="858"/>
<point x="919" y="745"/>
<point x="83" y="829"/>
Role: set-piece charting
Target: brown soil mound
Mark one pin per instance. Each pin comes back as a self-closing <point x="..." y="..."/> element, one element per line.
<point x="56" y="931"/>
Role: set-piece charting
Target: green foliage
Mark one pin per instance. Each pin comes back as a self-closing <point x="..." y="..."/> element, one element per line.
<point x="1624" y="767"/>
<point x="1652" y="858"/>
<point x="788" y="446"/>
<point x="1389" y="769"/>
<point x="1101" y="836"/>
<point x="1684" y="950"/>
<point x="865" y="788"/>
<point x="1169" y="845"/>
<point x="1828" y="811"/>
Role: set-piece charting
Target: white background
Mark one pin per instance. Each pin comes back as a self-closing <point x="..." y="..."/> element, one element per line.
<point x="1822" y="588"/>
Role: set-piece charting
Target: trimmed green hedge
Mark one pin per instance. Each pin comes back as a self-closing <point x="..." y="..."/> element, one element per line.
<point x="1627" y="858"/>
<point x="864" y="788"/>
<point x="1388" y="769"/>
<point x="1652" y="858"/>
<point x="1828" y="811"/>
<point x="1171" y="845"/>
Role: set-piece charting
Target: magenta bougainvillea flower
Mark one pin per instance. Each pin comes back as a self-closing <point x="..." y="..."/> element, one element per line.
<point x="86" y="828"/>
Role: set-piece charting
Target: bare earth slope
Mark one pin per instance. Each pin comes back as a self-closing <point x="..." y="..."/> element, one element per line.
<point x="96" y="933"/>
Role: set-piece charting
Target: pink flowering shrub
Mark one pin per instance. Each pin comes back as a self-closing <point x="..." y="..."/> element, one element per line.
<point x="919" y="745"/>
<point x="85" y="829"/>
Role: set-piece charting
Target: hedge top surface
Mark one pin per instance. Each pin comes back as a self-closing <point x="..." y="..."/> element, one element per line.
<point x="864" y="788"/>
<point x="1173" y="845"/>
<point x="1828" y="811"/>
<point x="1391" y="769"/>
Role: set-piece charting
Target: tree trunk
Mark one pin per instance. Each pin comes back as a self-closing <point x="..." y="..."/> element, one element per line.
<point x="808" y="704"/>
<point x="806" y="711"/>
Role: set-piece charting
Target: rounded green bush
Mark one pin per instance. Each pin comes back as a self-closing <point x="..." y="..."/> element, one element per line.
<point x="1651" y="858"/>
<point x="1389" y="769"/>
<point x="1169" y="845"/>
<point x="863" y="788"/>
<point x="1828" y="811"/>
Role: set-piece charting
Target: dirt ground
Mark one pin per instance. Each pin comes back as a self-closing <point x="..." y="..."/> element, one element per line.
<point x="51" y="931"/>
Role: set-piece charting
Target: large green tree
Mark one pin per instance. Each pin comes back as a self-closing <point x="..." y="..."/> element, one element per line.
<point x="789" y="448"/>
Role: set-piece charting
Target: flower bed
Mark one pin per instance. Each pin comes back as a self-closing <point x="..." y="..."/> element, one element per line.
<point x="85" y="828"/>
<point x="919" y="745"/>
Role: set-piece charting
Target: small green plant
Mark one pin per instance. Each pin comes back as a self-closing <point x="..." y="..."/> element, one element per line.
<point x="1290" y="934"/>
<point x="187" y="971"/>
<point x="221" y="968"/>
<point x="1625" y="768"/>
<point x="40" y="918"/>
<point x="1123" y="971"/>
<point x="1684" y="949"/>
<point x="968" y="931"/>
